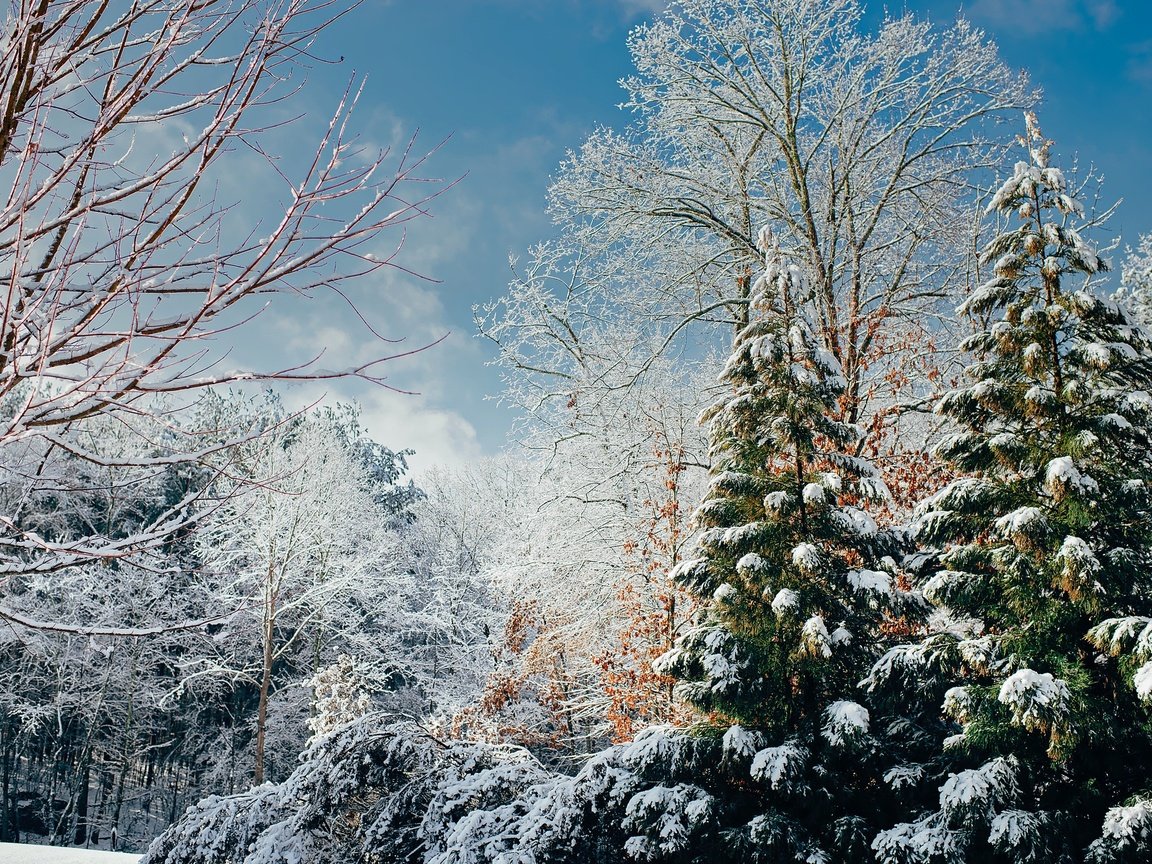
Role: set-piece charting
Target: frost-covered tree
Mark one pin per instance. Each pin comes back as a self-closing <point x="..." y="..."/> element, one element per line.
<point x="773" y="558"/>
<point x="339" y="697"/>
<point x="1046" y="534"/>
<point x="301" y="550"/>
<point x="795" y="581"/>
<point x="448" y="547"/>
<point x="82" y="713"/>
<point x="102" y="709"/>
<point x="563" y="563"/>
<point x="858" y="146"/>
<point x="1136" y="281"/>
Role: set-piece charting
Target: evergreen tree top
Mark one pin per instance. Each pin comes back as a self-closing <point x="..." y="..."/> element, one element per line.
<point x="791" y="569"/>
<point x="1046" y="534"/>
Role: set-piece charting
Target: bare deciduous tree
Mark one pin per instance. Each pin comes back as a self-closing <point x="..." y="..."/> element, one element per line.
<point x="306" y="553"/>
<point x="860" y="150"/>
<point x="130" y="134"/>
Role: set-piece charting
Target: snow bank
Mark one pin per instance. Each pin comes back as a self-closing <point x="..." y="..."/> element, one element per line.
<point x="26" y="853"/>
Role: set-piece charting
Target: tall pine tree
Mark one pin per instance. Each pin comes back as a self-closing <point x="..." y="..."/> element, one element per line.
<point x="1047" y="533"/>
<point x="796" y="583"/>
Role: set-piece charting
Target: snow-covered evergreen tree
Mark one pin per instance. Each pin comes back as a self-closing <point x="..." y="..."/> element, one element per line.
<point x="783" y="559"/>
<point x="1046" y="534"/>
<point x="795" y="582"/>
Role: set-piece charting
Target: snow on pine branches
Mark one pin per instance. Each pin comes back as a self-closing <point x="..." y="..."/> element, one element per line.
<point x="779" y="551"/>
<point x="794" y="582"/>
<point x="1046" y="535"/>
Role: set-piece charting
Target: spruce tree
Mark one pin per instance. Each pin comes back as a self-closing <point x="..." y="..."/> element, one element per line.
<point x="795" y="582"/>
<point x="1046" y="533"/>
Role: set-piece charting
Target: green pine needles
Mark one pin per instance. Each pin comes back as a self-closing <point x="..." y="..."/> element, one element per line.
<point x="796" y="583"/>
<point x="793" y="576"/>
<point x="1046" y="534"/>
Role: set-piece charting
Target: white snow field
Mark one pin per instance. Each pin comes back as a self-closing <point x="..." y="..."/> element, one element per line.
<point x="26" y="853"/>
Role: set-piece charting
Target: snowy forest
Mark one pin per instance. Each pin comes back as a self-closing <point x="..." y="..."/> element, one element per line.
<point x="826" y="531"/>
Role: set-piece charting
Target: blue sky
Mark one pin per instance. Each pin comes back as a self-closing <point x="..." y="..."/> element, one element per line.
<point x="513" y="84"/>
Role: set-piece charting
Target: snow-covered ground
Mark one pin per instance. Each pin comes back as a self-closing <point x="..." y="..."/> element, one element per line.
<point x="25" y="853"/>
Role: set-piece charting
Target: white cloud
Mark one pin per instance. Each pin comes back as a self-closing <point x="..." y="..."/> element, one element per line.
<point x="399" y="307"/>
<point x="421" y="420"/>
<point x="439" y="436"/>
<point x="1103" y="13"/>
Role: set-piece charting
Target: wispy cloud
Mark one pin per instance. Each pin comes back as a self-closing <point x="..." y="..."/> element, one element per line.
<point x="1103" y="13"/>
<point x="438" y="436"/>
<point x="1040" y="16"/>
<point x="399" y="306"/>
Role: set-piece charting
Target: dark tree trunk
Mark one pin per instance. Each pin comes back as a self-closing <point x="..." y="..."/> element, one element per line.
<point x="82" y="804"/>
<point x="7" y="753"/>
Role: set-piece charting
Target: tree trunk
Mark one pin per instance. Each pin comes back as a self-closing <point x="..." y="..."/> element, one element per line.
<point x="262" y="711"/>
<point x="270" y="598"/>
<point x="7" y="753"/>
<point x="172" y="811"/>
<point x="126" y="754"/>
<point x="102" y="799"/>
<point x="82" y="804"/>
<point x="119" y="800"/>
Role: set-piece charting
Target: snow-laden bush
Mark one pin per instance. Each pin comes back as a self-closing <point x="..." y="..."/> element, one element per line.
<point x="366" y="787"/>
